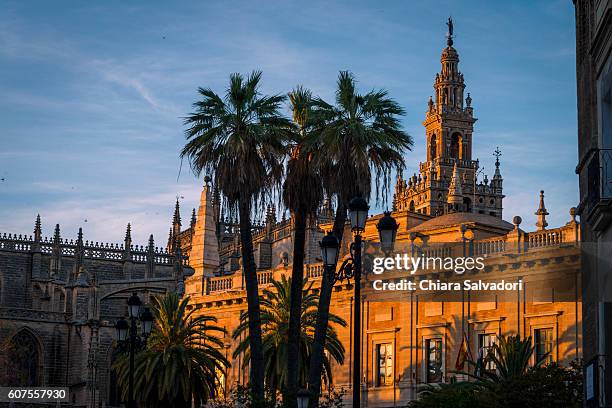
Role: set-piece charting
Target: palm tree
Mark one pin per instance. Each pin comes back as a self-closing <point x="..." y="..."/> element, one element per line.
<point x="302" y="195"/>
<point x="240" y="140"/>
<point x="182" y="360"/>
<point x="275" y="320"/>
<point x="362" y="137"/>
<point x="511" y="358"/>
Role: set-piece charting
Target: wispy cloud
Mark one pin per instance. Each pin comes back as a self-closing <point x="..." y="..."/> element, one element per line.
<point x="93" y="100"/>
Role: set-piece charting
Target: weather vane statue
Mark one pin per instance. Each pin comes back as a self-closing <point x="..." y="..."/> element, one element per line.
<point x="497" y="153"/>
<point x="449" y="37"/>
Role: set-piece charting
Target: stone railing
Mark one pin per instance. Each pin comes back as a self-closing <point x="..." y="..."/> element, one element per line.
<point x="489" y="246"/>
<point x="314" y="270"/>
<point x="220" y="284"/>
<point x="264" y="278"/>
<point x="91" y="249"/>
<point x="546" y="238"/>
<point x="513" y="242"/>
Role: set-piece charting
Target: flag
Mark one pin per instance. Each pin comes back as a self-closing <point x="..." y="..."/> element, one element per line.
<point x="463" y="355"/>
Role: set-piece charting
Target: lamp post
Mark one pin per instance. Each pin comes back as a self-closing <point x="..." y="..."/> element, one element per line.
<point x="136" y="313"/>
<point x="351" y="268"/>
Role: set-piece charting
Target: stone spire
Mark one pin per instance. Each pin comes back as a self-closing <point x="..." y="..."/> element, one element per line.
<point x="127" y="243"/>
<point x="79" y="254"/>
<point x="497" y="180"/>
<point x="176" y="219"/>
<point x="193" y="220"/>
<point x="150" y="267"/>
<point x="56" y="258"/>
<point x="204" y="255"/>
<point x="37" y="229"/>
<point x="128" y="235"/>
<point x="541" y="213"/>
<point x="455" y="195"/>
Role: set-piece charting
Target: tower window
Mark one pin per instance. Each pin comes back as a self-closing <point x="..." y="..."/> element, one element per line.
<point x="455" y="146"/>
<point x="432" y="147"/>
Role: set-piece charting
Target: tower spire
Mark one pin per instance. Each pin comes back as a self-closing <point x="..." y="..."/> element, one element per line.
<point x="176" y="219"/>
<point x="37" y="229"/>
<point x="127" y="243"/>
<point x="497" y="153"/>
<point x="541" y="213"/>
<point x="455" y="194"/>
<point x="128" y="234"/>
<point x="56" y="259"/>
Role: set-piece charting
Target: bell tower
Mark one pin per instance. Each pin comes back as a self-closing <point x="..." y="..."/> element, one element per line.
<point x="449" y="126"/>
<point x="449" y="120"/>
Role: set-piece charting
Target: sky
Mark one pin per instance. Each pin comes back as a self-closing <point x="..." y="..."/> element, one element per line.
<point x="93" y="95"/>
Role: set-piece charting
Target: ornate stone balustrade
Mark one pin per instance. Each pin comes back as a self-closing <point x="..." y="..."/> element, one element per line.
<point x="489" y="246"/>
<point x="513" y="242"/>
<point x="91" y="249"/>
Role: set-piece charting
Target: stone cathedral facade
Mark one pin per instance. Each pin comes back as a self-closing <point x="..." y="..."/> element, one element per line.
<point x="59" y="298"/>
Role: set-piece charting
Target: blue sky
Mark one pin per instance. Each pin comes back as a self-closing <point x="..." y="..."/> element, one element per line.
<point x="92" y="94"/>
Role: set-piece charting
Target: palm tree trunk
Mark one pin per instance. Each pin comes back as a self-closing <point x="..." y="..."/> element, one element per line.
<point x="295" y="312"/>
<point x="250" y="279"/>
<point x="318" y="346"/>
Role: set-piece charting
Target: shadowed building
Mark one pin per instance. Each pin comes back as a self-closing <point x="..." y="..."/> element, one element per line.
<point x="594" y="86"/>
<point x="59" y="301"/>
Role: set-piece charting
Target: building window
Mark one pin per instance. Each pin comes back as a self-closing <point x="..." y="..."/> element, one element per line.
<point x="384" y="356"/>
<point x="543" y="345"/>
<point x="485" y="344"/>
<point x="433" y="350"/>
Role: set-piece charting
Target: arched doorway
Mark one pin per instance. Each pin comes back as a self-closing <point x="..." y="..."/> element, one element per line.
<point x="24" y="355"/>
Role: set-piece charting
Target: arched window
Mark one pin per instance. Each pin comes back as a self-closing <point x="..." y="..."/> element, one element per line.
<point x="455" y="146"/>
<point x="411" y="207"/>
<point x="24" y="357"/>
<point x="432" y="147"/>
<point x="467" y="204"/>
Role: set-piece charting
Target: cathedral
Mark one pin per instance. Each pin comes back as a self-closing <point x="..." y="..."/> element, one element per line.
<point x="60" y="298"/>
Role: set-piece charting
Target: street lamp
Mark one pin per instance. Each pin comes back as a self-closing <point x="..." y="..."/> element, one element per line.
<point x="329" y="250"/>
<point x="358" y="213"/>
<point x="351" y="268"/>
<point x="387" y="231"/>
<point x="134" y="304"/>
<point x="302" y="398"/>
<point x="147" y="322"/>
<point x="136" y="313"/>
<point x="122" y="327"/>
